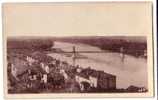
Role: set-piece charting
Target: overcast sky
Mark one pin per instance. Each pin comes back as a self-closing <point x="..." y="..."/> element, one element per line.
<point x="77" y="19"/>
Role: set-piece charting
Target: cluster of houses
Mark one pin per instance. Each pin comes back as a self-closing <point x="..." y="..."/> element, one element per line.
<point x="95" y="79"/>
<point x="37" y="70"/>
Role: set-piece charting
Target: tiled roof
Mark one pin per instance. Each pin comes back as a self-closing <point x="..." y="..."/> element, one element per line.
<point x="94" y="73"/>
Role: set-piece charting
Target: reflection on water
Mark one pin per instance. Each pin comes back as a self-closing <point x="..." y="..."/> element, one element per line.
<point x="133" y="71"/>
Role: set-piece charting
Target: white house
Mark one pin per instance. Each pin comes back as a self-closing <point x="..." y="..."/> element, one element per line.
<point x="62" y="71"/>
<point x="79" y="70"/>
<point x="30" y="60"/>
<point x="13" y="70"/>
<point x="93" y="81"/>
<point x="42" y="65"/>
<point x="46" y="68"/>
<point x="44" y="78"/>
<point x="80" y="79"/>
<point x="142" y="89"/>
<point x="33" y="77"/>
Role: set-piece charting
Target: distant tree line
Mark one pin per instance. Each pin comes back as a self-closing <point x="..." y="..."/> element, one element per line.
<point x="130" y="47"/>
<point x="31" y="44"/>
<point x="133" y="48"/>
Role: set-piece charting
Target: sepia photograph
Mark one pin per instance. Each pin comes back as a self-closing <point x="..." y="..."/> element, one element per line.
<point x="71" y="49"/>
<point x="89" y="64"/>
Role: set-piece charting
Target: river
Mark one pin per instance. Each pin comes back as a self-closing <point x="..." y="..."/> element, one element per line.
<point x="133" y="71"/>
